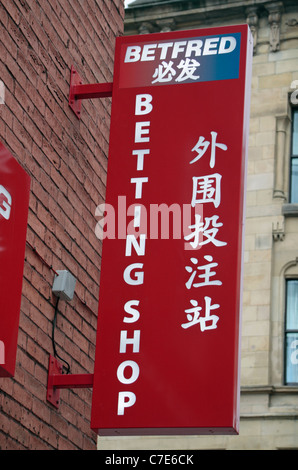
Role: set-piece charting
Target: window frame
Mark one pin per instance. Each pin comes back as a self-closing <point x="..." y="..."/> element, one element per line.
<point x="294" y="114"/>
<point x="288" y="331"/>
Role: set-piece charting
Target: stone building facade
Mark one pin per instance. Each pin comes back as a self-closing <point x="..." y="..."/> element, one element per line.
<point x="269" y="378"/>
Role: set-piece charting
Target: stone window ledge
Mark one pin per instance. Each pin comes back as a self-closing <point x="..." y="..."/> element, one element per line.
<point x="290" y="210"/>
<point x="270" y="389"/>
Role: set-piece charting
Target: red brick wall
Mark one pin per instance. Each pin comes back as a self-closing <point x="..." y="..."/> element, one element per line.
<point x="67" y="161"/>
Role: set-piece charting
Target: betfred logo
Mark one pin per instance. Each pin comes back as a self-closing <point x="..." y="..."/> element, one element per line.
<point x="171" y="50"/>
<point x="198" y="59"/>
<point x="5" y="203"/>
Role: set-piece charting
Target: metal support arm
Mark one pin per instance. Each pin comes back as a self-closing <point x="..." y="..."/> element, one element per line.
<point x="57" y="380"/>
<point x="79" y="92"/>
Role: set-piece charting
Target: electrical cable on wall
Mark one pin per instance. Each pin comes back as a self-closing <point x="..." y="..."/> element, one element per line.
<point x="63" y="288"/>
<point x="68" y="283"/>
<point x="53" y="338"/>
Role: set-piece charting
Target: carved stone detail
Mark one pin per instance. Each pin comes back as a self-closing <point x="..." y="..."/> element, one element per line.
<point x="166" y="25"/>
<point x="146" y="28"/>
<point x="274" y="18"/>
<point x="278" y="230"/>
<point x="252" y="20"/>
<point x="292" y="22"/>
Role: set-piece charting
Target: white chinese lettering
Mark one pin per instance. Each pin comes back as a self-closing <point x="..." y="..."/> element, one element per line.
<point x="202" y="145"/>
<point x="208" y="228"/>
<point x="188" y="68"/>
<point x="206" y="273"/>
<point x="194" y="318"/>
<point x="206" y="189"/>
<point x="164" y="72"/>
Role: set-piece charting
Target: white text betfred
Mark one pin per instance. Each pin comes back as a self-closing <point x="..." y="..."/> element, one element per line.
<point x="179" y="49"/>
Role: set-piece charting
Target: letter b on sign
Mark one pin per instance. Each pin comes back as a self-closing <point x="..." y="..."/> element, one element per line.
<point x="133" y="54"/>
<point x="143" y="104"/>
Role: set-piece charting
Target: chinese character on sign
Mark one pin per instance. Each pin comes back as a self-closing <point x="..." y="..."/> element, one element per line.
<point x="165" y="72"/>
<point x="188" y="68"/>
<point x="206" y="189"/>
<point x="207" y="322"/>
<point x="202" y="145"/>
<point x="206" y="273"/>
<point x="209" y="229"/>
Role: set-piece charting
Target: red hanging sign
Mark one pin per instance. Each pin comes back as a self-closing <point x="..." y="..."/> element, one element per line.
<point x="14" y="203"/>
<point x="167" y="353"/>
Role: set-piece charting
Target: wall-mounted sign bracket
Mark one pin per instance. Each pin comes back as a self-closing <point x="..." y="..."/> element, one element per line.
<point x="57" y="380"/>
<point x="79" y="92"/>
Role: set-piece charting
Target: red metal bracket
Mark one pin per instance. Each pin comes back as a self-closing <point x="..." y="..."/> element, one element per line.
<point x="79" y="92"/>
<point x="57" y="380"/>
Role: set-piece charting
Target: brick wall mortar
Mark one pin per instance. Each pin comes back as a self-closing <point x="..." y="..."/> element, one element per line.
<point x="67" y="161"/>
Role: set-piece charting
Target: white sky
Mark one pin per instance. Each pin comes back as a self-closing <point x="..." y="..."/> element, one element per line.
<point x="127" y="2"/>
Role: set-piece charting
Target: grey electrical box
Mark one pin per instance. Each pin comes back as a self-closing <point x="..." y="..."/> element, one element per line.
<point x="64" y="285"/>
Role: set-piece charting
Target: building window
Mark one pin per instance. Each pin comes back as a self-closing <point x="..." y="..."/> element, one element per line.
<point x="291" y="332"/>
<point x="294" y="158"/>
